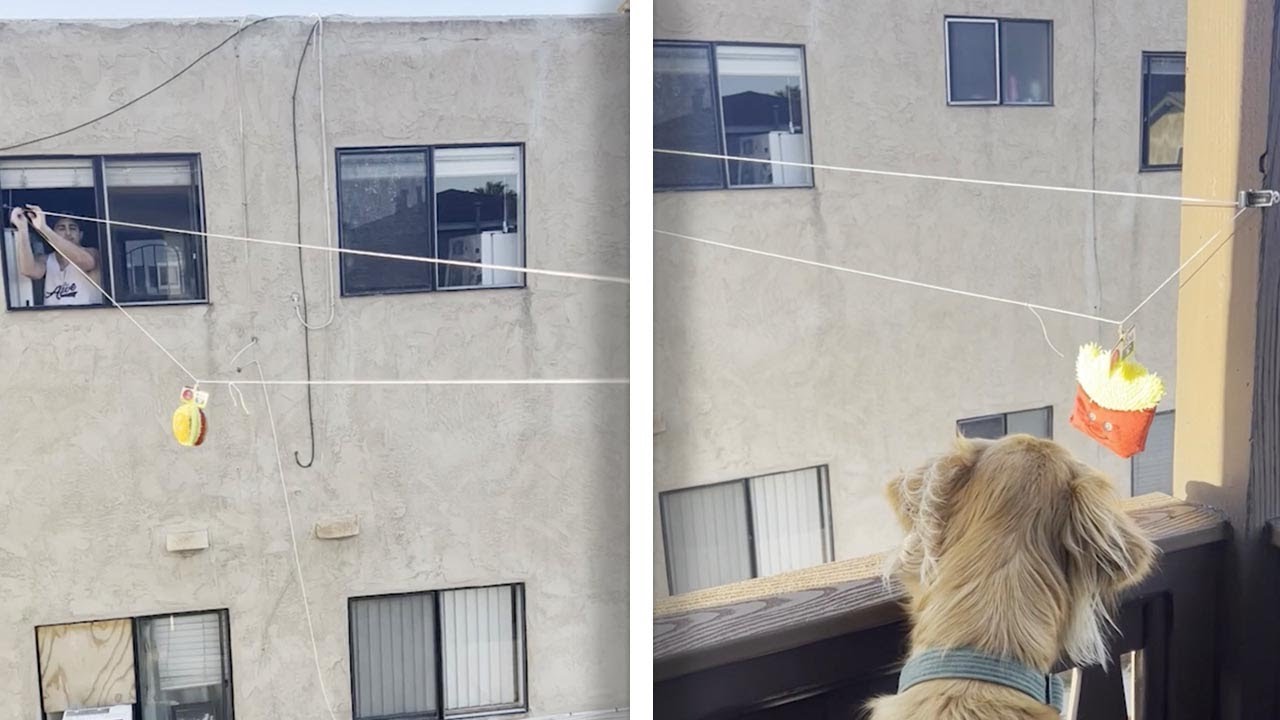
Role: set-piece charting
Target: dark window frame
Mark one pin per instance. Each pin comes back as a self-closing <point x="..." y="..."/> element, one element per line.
<point x="710" y="46"/>
<point x="438" y="657"/>
<point x="429" y="150"/>
<point x="1133" y="466"/>
<point x="1004" y="419"/>
<point x="999" y="22"/>
<point x="99" y="161"/>
<point x="228" y="666"/>
<point x="824" y="503"/>
<point x="1144" y="128"/>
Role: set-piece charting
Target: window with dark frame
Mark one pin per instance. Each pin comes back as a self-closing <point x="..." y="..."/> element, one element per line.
<point x="1152" y="469"/>
<point x="734" y="99"/>
<point x="1037" y="422"/>
<point x="463" y="203"/>
<point x="751" y="527"/>
<point x="137" y="266"/>
<point x="466" y="646"/>
<point x="999" y="61"/>
<point x="1164" y="81"/>
<point x="167" y="666"/>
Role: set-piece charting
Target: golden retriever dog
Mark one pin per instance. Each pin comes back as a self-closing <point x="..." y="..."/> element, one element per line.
<point x="1013" y="550"/>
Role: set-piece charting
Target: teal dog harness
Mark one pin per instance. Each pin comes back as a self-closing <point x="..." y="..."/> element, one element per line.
<point x="969" y="664"/>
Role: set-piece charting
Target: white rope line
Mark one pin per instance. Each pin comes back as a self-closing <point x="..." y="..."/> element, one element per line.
<point x="361" y="253"/>
<point x="136" y="324"/>
<point x="1230" y="224"/>
<point x="890" y="278"/>
<point x="1207" y="202"/>
<point x="198" y="381"/>
<point x="495" y="381"/>
<point x="293" y="539"/>
<point x="1044" y="329"/>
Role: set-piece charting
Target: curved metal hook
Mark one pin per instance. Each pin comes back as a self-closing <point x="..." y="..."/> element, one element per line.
<point x="298" y="458"/>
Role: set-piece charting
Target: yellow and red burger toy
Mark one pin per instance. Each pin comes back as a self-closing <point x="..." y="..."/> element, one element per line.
<point x="1116" y="398"/>
<point x="189" y="422"/>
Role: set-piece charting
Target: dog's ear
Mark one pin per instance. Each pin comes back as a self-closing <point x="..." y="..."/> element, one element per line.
<point x="1105" y="552"/>
<point x="922" y="501"/>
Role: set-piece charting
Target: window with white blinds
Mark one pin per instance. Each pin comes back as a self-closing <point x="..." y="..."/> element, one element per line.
<point x="188" y="650"/>
<point x="393" y="648"/>
<point x="708" y="542"/>
<point x="753" y="527"/>
<point x="467" y="644"/>
<point x="483" y="658"/>
<point x="1152" y="469"/>
<point x="184" y="662"/>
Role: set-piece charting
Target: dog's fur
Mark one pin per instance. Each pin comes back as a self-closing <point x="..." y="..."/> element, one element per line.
<point x="1017" y="549"/>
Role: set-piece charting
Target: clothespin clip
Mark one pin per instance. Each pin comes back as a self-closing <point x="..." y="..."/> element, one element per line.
<point x="1124" y="347"/>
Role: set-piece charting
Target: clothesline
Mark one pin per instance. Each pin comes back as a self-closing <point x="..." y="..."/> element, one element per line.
<point x="351" y="251"/>
<point x="197" y="381"/>
<point x="967" y="293"/>
<point x="1205" y="202"/>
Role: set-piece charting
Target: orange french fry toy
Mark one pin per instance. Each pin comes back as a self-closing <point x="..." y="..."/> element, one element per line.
<point x="1116" y="400"/>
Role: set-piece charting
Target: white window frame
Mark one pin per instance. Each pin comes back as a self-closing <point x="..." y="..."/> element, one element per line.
<point x="995" y="26"/>
<point x="724" y="131"/>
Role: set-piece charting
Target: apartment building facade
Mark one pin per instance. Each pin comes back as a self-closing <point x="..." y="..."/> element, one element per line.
<point x="463" y="548"/>
<point x="787" y="395"/>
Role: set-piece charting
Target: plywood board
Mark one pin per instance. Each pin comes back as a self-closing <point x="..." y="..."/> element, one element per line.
<point x="86" y="664"/>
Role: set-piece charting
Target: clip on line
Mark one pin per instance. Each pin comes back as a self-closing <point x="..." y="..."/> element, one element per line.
<point x="1205" y="202"/>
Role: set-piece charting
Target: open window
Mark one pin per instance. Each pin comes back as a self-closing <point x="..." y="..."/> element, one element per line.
<point x="109" y="195"/>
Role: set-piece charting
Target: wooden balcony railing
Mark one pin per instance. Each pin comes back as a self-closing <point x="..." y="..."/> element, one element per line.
<point x="817" y="643"/>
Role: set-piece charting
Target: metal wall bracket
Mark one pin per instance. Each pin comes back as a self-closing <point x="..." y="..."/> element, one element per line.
<point x="1259" y="198"/>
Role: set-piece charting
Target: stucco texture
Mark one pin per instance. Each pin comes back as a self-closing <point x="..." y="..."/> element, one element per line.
<point x="762" y="365"/>
<point x="453" y="486"/>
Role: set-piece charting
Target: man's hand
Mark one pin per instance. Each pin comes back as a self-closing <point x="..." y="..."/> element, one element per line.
<point x="37" y="217"/>
<point x="19" y="218"/>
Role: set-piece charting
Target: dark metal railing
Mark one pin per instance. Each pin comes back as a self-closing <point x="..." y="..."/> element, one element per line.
<point x="819" y="643"/>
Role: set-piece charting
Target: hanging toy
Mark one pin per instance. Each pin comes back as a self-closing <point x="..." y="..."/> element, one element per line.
<point x="189" y="422"/>
<point x="1116" y="397"/>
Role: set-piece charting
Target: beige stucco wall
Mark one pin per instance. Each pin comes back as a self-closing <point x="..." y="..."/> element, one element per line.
<point x="453" y="486"/>
<point x="762" y="365"/>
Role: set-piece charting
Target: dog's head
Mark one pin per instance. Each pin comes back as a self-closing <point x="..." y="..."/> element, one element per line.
<point x="1026" y="515"/>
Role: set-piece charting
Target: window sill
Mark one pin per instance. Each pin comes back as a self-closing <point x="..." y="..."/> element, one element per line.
<point x="985" y="103"/>
<point x="436" y="291"/>
<point x="486" y="713"/>
<point x="1160" y="168"/>
<point x="127" y="306"/>
<point x="735" y="188"/>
